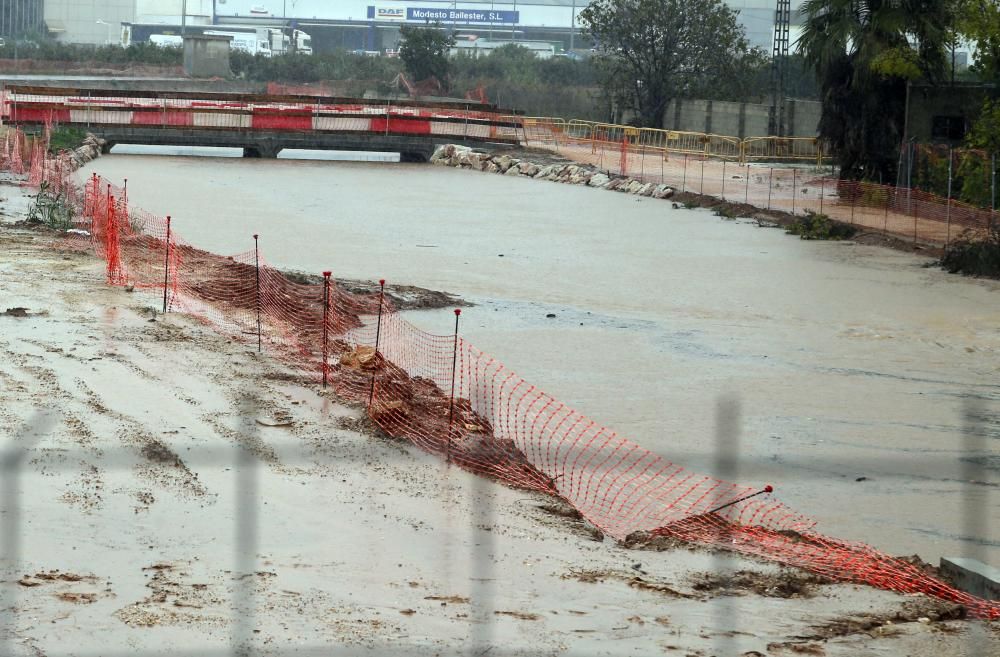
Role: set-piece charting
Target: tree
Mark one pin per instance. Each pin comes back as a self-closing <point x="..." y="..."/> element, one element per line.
<point x="424" y="52"/>
<point x="864" y="53"/>
<point x="979" y="21"/>
<point x="653" y="51"/>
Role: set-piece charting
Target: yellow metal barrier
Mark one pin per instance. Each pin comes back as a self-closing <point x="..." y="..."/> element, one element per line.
<point x="550" y="130"/>
<point x="783" y="148"/>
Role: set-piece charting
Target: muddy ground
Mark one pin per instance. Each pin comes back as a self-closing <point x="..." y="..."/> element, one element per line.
<point x="175" y="491"/>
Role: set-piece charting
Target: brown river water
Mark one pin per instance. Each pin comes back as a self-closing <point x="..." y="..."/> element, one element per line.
<point x="864" y="385"/>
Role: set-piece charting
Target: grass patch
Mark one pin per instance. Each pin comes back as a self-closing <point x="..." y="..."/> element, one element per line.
<point x="816" y="226"/>
<point x="66" y="138"/>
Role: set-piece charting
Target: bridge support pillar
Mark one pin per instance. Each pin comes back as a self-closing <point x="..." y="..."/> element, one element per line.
<point x="414" y="156"/>
<point x="268" y="151"/>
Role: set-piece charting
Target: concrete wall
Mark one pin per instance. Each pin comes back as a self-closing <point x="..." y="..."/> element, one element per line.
<point x="75" y="21"/>
<point x="960" y="103"/>
<point x="740" y="119"/>
<point x="206" y="56"/>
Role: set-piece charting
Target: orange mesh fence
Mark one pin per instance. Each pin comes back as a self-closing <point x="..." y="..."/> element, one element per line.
<point x="650" y="157"/>
<point x="447" y="397"/>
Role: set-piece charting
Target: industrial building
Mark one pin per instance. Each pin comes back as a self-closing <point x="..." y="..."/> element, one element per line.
<point x="370" y="25"/>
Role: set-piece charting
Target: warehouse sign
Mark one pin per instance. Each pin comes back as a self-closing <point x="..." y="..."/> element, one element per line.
<point x="387" y="13"/>
<point x="461" y="15"/>
<point x="446" y="15"/>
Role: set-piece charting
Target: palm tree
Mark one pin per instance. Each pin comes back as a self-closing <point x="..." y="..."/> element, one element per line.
<point x="865" y="52"/>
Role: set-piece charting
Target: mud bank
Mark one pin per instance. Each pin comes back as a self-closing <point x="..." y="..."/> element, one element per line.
<point x="185" y="496"/>
<point x="463" y="157"/>
<point x="542" y="165"/>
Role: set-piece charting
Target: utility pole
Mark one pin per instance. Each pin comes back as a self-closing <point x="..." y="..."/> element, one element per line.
<point x="779" y="66"/>
<point x="572" y="26"/>
<point x="513" y="23"/>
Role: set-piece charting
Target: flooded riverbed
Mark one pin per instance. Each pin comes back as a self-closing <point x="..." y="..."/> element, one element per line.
<point x="850" y="366"/>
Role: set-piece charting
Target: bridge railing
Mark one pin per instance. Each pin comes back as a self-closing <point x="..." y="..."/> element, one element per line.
<point x="31" y="105"/>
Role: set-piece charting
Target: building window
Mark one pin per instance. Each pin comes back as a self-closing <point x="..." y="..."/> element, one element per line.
<point x="950" y="128"/>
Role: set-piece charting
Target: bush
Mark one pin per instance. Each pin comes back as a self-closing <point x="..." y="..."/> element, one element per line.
<point x="51" y="209"/>
<point x="974" y="254"/>
<point x="66" y="138"/>
<point x="816" y="226"/>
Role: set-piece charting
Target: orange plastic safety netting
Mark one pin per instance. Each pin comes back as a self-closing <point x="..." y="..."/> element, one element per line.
<point x="449" y="398"/>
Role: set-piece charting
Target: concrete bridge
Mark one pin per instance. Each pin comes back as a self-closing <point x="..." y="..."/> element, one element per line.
<point x="268" y="143"/>
<point x="262" y="125"/>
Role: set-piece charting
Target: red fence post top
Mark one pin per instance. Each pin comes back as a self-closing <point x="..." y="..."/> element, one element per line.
<point x="326" y="274"/>
<point x="769" y="488"/>
<point x="458" y="311"/>
<point x="168" y="219"/>
<point x="255" y="235"/>
<point x="381" y="282"/>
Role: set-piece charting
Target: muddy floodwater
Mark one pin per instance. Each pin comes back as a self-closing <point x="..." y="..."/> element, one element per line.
<point x="865" y="386"/>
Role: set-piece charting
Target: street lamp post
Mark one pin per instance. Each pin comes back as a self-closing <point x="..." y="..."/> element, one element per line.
<point x="104" y="22"/>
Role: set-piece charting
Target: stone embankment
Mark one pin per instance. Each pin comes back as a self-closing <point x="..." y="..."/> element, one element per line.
<point x="463" y="157"/>
<point x="90" y="149"/>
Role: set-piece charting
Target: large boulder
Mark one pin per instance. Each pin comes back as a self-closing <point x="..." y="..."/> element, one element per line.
<point x="663" y="191"/>
<point x="440" y="154"/>
<point x="505" y="162"/>
<point x="598" y="180"/>
<point x="528" y="169"/>
<point x="512" y="171"/>
<point x="556" y="172"/>
<point x="633" y="187"/>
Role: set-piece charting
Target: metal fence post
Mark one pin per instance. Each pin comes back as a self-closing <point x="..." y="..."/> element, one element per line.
<point x="684" y="178"/>
<point x="822" y="193"/>
<point x="947" y="238"/>
<point x="770" y="175"/>
<point x="166" y="266"/>
<point x="378" y="336"/>
<point x="993" y="182"/>
<point x="256" y="265"/>
<point x="854" y="200"/>
<point x="746" y="190"/>
<point x="451" y="402"/>
<point x="326" y="327"/>
<point x="701" y="188"/>
<point x="723" y="195"/>
<point x="794" y="181"/>
<point x="885" y="220"/>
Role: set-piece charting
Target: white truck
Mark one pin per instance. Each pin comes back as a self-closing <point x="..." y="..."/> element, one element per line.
<point x="166" y="40"/>
<point x="248" y="42"/>
<point x="281" y="43"/>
